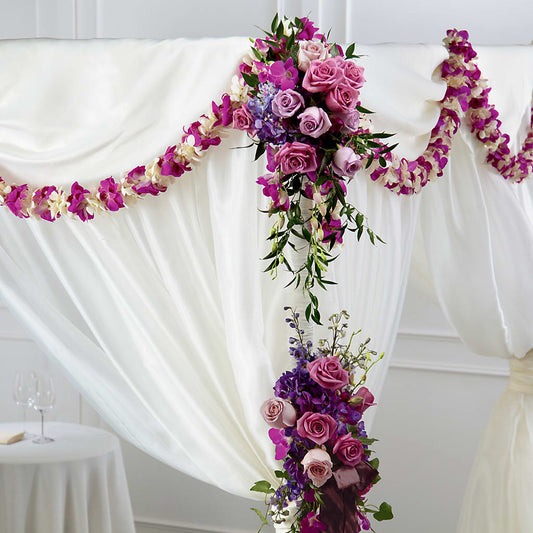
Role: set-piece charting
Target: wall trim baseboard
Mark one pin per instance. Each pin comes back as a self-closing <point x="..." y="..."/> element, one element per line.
<point x="180" y="527"/>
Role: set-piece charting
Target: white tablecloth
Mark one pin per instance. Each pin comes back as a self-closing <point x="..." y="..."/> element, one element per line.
<point x="75" y="484"/>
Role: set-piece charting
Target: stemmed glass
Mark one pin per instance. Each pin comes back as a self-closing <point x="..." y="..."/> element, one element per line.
<point x="22" y="394"/>
<point x="43" y="398"/>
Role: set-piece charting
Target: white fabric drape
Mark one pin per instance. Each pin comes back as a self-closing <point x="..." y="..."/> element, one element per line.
<point x="161" y="314"/>
<point x="478" y="235"/>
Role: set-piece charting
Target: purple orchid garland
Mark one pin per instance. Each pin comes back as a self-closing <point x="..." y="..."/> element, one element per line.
<point x="51" y="203"/>
<point x="467" y="94"/>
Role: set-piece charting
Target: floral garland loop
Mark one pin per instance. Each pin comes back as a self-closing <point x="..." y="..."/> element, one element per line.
<point x="51" y="203"/>
<point x="467" y="95"/>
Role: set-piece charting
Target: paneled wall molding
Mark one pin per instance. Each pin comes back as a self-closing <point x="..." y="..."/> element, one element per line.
<point x="148" y="525"/>
<point x="429" y="335"/>
<point x="442" y="351"/>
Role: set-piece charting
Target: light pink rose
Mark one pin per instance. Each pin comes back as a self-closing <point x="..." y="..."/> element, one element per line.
<point x="243" y="120"/>
<point x="314" y="121"/>
<point x="342" y="98"/>
<point x="322" y="76"/>
<point x="350" y="121"/>
<point x="368" y="399"/>
<point x="309" y="51"/>
<point x="278" y="413"/>
<point x="317" y="465"/>
<point x="286" y="103"/>
<point x="346" y="162"/>
<point x="349" y="450"/>
<point x="328" y="373"/>
<point x="317" y="427"/>
<point x="353" y="74"/>
<point x="296" y="157"/>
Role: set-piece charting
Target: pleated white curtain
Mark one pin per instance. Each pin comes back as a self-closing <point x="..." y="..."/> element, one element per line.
<point x="160" y="314"/>
<point x="478" y="236"/>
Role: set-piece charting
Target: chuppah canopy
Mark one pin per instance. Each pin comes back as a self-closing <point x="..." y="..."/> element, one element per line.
<point x="160" y="313"/>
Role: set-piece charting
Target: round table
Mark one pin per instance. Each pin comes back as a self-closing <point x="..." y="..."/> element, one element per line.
<point x="75" y="484"/>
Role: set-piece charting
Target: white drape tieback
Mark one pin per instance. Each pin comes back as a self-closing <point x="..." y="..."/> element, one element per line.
<point x="522" y="374"/>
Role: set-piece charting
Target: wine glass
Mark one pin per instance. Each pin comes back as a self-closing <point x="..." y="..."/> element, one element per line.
<point x="22" y="394"/>
<point x="43" y="397"/>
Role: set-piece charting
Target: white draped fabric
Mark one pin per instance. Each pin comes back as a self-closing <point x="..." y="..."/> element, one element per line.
<point x="161" y="314"/>
<point x="478" y="235"/>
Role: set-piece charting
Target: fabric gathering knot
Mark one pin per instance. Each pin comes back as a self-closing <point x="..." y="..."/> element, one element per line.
<point x="521" y="379"/>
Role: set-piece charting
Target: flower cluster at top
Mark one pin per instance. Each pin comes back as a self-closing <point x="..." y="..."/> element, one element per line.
<point x="317" y="427"/>
<point x="304" y="111"/>
<point x="467" y="95"/>
<point x="52" y="202"/>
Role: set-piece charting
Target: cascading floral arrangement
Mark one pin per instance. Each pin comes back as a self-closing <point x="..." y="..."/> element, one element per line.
<point x="317" y="427"/>
<point x="304" y="111"/>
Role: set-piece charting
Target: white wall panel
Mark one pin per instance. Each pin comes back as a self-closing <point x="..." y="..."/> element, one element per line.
<point x="17" y="19"/>
<point x="162" y="19"/>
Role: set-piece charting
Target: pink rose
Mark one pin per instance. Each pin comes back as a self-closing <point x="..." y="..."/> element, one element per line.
<point x="314" y="122"/>
<point x="243" y="120"/>
<point x="296" y="157"/>
<point x="286" y="103"/>
<point x="310" y="51"/>
<point x="322" y="76"/>
<point x="328" y="373"/>
<point x="278" y="413"/>
<point x="317" y="465"/>
<point x="342" y="98"/>
<point x="350" y="121"/>
<point x="346" y="162"/>
<point x="366" y="396"/>
<point x="349" y="450"/>
<point x="353" y="74"/>
<point x="316" y="426"/>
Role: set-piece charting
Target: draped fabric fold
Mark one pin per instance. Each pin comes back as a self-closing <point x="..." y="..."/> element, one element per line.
<point x="161" y="314"/>
<point x="478" y="240"/>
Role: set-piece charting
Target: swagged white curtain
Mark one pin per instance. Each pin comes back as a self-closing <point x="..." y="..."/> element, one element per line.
<point x="478" y="238"/>
<point x="160" y="314"/>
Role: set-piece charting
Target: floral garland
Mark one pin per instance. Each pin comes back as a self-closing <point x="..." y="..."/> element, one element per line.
<point x="317" y="428"/>
<point x="51" y="203"/>
<point x="467" y="95"/>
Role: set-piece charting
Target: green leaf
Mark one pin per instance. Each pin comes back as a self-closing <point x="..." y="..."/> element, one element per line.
<point x="384" y="513"/>
<point x="382" y="162"/>
<point x="263" y="486"/>
<point x="375" y="463"/>
<point x="371" y="236"/>
<point x="261" y="147"/>
<point x="274" y="24"/>
<point x="280" y="31"/>
<point x="359" y="219"/>
<point x="251" y="79"/>
<point x="362" y="109"/>
<point x="308" y="312"/>
<point x="350" y="50"/>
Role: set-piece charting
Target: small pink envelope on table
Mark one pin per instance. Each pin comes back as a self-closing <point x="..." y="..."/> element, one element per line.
<point x="11" y="438"/>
